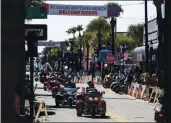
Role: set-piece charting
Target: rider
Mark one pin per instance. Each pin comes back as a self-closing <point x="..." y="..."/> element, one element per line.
<point x="90" y="86"/>
<point x="46" y="67"/>
<point x="70" y="82"/>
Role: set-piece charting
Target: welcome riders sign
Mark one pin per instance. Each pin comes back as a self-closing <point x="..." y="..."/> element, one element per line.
<point x="82" y="10"/>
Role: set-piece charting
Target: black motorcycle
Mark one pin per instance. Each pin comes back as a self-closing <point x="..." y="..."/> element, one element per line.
<point x="66" y="97"/>
<point x="119" y="86"/>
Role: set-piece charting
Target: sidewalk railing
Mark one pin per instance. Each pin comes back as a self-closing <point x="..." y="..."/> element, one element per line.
<point x="144" y="92"/>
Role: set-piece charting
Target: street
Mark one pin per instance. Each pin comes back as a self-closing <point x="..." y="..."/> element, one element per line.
<point x="120" y="108"/>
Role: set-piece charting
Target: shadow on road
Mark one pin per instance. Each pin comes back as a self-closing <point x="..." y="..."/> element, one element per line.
<point x="40" y="88"/>
<point x="43" y="95"/>
<point x="49" y="113"/>
<point x="120" y="98"/>
<point x="97" y="117"/>
<point x="53" y="106"/>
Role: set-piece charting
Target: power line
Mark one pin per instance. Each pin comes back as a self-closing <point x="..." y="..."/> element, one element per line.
<point x="131" y="4"/>
<point x="130" y="18"/>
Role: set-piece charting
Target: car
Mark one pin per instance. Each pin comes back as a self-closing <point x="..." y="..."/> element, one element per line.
<point x="91" y="103"/>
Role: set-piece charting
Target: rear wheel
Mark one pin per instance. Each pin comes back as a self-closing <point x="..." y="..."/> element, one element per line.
<point x="93" y="112"/>
<point x="103" y="115"/>
<point x="70" y="103"/>
<point x="45" y="88"/>
<point x="79" y="114"/>
<point x="57" y="105"/>
<point x="117" y="89"/>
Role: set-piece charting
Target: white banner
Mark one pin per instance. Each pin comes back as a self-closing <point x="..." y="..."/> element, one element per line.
<point x="77" y="10"/>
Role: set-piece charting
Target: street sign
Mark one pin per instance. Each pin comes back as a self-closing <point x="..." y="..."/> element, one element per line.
<point x="40" y="29"/>
<point x="36" y="13"/>
<point x="110" y="57"/>
<point x="49" y="44"/>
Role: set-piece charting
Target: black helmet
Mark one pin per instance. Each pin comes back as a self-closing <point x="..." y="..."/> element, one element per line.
<point x="89" y="82"/>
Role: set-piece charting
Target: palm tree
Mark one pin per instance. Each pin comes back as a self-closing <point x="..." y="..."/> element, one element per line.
<point x="73" y="31"/>
<point x="30" y="3"/>
<point x="136" y="33"/>
<point x="113" y="20"/>
<point x="119" y="7"/>
<point x="98" y="24"/>
<point x="79" y="29"/>
<point x="69" y="31"/>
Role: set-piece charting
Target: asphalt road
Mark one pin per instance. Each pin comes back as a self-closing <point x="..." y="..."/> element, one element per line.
<point x="120" y="108"/>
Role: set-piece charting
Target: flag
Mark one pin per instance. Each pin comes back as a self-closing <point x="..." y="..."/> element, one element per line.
<point x="125" y="56"/>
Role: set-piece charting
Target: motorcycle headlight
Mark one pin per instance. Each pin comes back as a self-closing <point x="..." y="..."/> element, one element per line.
<point x="90" y="99"/>
<point x="96" y="99"/>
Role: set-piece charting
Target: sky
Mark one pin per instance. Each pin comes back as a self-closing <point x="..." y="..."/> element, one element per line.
<point x="59" y="24"/>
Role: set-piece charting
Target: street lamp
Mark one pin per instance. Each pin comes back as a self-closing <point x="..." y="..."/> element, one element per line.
<point x="72" y="52"/>
<point x="87" y="46"/>
<point x="122" y="49"/>
<point x="94" y="66"/>
<point x="37" y="61"/>
<point x="99" y="36"/>
<point x="94" y="62"/>
<point x="80" y="53"/>
<point x="62" y="65"/>
<point x="151" y="55"/>
<point x="113" y="25"/>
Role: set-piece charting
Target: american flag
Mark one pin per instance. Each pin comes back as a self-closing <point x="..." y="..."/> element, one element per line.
<point x="125" y="56"/>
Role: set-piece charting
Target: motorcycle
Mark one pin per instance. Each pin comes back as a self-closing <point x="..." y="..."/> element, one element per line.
<point x="120" y="85"/>
<point x="66" y="97"/>
<point x="91" y="104"/>
<point x="159" y="115"/>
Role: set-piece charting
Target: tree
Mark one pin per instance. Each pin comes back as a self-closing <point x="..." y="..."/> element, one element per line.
<point x="69" y="31"/>
<point x="51" y="51"/>
<point x="122" y="38"/>
<point x="79" y="28"/>
<point x="73" y="31"/>
<point x="136" y="33"/>
<point x="31" y="3"/>
<point x="119" y="7"/>
<point x="98" y="24"/>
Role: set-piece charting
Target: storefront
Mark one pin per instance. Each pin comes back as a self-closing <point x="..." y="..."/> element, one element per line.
<point x="139" y="56"/>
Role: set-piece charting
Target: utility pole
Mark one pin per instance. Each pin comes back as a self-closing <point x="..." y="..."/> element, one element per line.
<point x="113" y="24"/>
<point x="146" y="36"/>
<point x="167" y="62"/>
<point x="32" y="52"/>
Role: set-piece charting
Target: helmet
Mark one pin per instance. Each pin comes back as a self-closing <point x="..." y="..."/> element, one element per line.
<point x="89" y="82"/>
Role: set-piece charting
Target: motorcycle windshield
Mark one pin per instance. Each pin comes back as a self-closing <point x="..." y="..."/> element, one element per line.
<point x="72" y="90"/>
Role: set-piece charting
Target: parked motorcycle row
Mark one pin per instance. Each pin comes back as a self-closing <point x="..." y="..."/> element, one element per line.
<point x="116" y="82"/>
<point x="65" y="93"/>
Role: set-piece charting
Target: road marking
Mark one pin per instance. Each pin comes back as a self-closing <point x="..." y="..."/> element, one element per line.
<point x="118" y="118"/>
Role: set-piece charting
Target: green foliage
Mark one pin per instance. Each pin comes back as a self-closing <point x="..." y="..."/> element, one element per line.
<point x="122" y="38"/>
<point x="133" y="39"/>
<point x="51" y="51"/>
<point x="136" y="33"/>
<point x="116" y="4"/>
<point x="98" y="24"/>
<point x="31" y="3"/>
